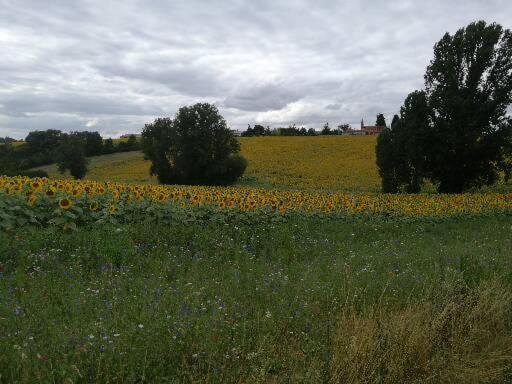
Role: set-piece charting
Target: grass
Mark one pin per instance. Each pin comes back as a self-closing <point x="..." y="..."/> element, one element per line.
<point x="300" y="301"/>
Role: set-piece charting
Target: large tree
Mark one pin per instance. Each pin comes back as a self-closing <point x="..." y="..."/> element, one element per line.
<point x="196" y="147"/>
<point x="469" y="87"/>
<point x="71" y="155"/>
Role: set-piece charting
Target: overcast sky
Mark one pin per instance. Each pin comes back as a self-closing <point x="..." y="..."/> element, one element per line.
<point x="112" y="66"/>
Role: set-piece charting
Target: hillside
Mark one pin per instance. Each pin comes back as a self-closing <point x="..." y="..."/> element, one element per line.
<point x="323" y="162"/>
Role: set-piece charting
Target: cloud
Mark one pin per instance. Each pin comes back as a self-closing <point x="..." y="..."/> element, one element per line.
<point x="113" y="67"/>
<point x="262" y="98"/>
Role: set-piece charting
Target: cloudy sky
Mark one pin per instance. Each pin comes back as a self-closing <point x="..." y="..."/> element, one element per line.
<point x="111" y="66"/>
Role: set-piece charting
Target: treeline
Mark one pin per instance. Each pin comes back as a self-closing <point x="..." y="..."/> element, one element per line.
<point x="292" y="130"/>
<point x="47" y="147"/>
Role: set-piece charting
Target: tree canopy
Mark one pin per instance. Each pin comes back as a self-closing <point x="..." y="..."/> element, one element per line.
<point x="456" y="133"/>
<point x="196" y="147"/>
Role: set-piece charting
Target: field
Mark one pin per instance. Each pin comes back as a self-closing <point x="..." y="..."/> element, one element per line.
<point x="296" y="301"/>
<point x="301" y="273"/>
<point x="345" y="163"/>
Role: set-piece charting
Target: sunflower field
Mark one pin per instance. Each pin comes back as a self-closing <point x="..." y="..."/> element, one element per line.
<point x="69" y="203"/>
<point x="328" y="163"/>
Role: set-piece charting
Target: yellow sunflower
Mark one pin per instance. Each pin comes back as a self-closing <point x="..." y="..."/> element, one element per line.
<point x="65" y="203"/>
<point x="50" y="192"/>
<point x="94" y="206"/>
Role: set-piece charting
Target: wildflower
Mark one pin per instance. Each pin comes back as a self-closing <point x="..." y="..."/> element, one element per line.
<point x="140" y="326"/>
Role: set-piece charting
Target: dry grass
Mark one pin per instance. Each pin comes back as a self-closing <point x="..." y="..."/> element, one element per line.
<point x="458" y="336"/>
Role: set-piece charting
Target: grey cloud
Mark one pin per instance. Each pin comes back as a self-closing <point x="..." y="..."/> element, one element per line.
<point x="91" y="104"/>
<point x="262" y="98"/>
<point x="333" y="107"/>
<point x="66" y="63"/>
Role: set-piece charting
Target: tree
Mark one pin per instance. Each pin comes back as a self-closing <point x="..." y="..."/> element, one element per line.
<point x="248" y="132"/>
<point x="71" y="155"/>
<point x="108" y="146"/>
<point x="196" y="147"/>
<point x="413" y="141"/>
<point x="93" y="143"/>
<point x="387" y="162"/>
<point x="311" y="132"/>
<point x="43" y="141"/>
<point x="344" y="128"/>
<point x="381" y="121"/>
<point x="258" y="130"/>
<point x="326" y="130"/>
<point x="469" y="86"/>
<point x="8" y="162"/>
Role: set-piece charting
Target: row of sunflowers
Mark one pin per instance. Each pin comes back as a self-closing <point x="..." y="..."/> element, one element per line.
<point x="66" y="202"/>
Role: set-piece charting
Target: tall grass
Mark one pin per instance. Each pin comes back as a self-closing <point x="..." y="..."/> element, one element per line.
<point x="457" y="335"/>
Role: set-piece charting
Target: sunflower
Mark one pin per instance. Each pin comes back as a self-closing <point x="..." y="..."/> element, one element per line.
<point x="65" y="203"/>
<point x="112" y="209"/>
<point x="50" y="192"/>
<point x="76" y="192"/>
<point x="94" y="206"/>
<point x="36" y="185"/>
<point x="32" y="199"/>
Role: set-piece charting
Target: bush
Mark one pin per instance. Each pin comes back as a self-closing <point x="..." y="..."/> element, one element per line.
<point x="195" y="148"/>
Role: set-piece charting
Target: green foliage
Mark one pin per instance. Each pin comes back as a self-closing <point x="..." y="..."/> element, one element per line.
<point x="387" y="161"/>
<point x="401" y="150"/>
<point x="71" y="155"/>
<point x="456" y="133"/>
<point x="195" y="148"/>
<point x="381" y="121"/>
<point x="108" y="146"/>
<point x="469" y="87"/>
<point x="130" y="145"/>
<point x="93" y="143"/>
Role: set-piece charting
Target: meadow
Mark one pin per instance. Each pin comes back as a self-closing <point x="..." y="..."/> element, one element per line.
<point x="297" y="301"/>
<point x="300" y="273"/>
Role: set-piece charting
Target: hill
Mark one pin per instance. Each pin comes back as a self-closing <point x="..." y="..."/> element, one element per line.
<point x="345" y="163"/>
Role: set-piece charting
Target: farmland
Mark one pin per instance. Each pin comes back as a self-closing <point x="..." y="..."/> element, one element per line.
<point x="299" y="273"/>
<point x="325" y="162"/>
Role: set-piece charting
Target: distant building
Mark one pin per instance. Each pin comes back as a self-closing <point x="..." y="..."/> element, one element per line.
<point x="236" y="132"/>
<point x="371" y="129"/>
<point x="353" y="132"/>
